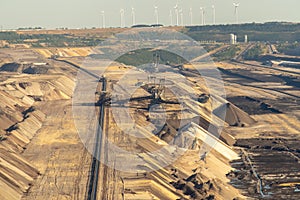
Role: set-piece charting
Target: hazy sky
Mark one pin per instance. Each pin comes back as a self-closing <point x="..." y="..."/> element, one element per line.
<point x="86" y="13"/>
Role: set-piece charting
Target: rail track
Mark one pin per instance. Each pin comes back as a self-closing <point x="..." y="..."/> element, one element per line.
<point x="78" y="67"/>
<point x="95" y="169"/>
<point x="239" y="56"/>
<point x="95" y="166"/>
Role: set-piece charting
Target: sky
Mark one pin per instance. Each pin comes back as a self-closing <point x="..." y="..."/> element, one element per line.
<point x="52" y="14"/>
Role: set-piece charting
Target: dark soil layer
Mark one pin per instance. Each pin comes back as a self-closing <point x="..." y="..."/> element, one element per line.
<point x="277" y="164"/>
<point x="252" y="106"/>
<point x="25" y="68"/>
<point x="249" y="76"/>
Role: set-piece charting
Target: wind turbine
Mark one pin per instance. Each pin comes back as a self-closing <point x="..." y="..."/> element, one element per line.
<point x="122" y="12"/>
<point x="133" y="16"/>
<point x="171" y="17"/>
<point x="181" y="16"/>
<point x="214" y="14"/>
<point x="202" y="15"/>
<point x="191" y="16"/>
<point x="103" y="18"/>
<point x="156" y="14"/>
<point x="236" y="5"/>
<point x="177" y="14"/>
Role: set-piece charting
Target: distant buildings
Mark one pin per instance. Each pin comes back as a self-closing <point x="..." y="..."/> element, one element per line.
<point x="233" y="39"/>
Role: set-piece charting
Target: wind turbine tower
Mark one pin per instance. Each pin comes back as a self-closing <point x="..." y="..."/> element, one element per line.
<point x="191" y="16"/>
<point x="171" y="18"/>
<point x="133" y="16"/>
<point x="156" y="14"/>
<point x="214" y="14"/>
<point x="202" y="15"/>
<point x="177" y="14"/>
<point x="103" y="19"/>
<point x="236" y="5"/>
<point x="181" y="16"/>
<point x="122" y="12"/>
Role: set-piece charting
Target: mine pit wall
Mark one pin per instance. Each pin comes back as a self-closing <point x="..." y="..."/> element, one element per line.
<point x="24" y="131"/>
<point x="19" y="123"/>
<point x="16" y="174"/>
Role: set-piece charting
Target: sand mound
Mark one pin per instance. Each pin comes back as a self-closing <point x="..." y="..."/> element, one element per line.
<point x="193" y="136"/>
<point x="233" y="115"/>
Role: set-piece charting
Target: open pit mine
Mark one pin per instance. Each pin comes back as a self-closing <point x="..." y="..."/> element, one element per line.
<point x="187" y="141"/>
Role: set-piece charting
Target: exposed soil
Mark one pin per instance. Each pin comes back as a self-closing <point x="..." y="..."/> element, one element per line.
<point x="233" y="115"/>
<point x="42" y="157"/>
<point x="252" y="106"/>
<point x="25" y="68"/>
<point x="276" y="162"/>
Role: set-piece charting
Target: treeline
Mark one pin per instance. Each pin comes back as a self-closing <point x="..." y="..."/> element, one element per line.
<point x="50" y="40"/>
<point x="265" y="27"/>
<point x="272" y="31"/>
<point x="31" y="28"/>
